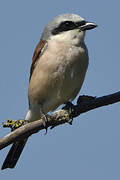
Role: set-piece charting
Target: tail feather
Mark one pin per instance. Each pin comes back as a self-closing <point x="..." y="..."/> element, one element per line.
<point x="14" y="154"/>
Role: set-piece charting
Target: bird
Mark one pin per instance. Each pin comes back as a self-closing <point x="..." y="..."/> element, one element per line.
<point x="57" y="72"/>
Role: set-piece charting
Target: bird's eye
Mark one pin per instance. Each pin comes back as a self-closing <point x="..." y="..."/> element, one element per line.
<point x="64" y="26"/>
<point x="67" y="25"/>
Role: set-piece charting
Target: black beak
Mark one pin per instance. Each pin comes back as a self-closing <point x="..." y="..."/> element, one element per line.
<point x="88" y="26"/>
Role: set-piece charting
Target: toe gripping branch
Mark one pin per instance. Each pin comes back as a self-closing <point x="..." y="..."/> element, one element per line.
<point x="70" y="108"/>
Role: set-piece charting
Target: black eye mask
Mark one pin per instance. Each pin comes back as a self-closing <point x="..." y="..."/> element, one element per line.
<point x="66" y="26"/>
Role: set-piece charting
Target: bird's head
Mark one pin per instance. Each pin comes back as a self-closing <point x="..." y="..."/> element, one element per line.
<point x="67" y="27"/>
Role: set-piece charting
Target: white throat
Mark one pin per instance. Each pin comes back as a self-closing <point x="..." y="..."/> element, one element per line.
<point x="73" y="37"/>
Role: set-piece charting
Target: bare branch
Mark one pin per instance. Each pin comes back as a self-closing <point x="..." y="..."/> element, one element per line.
<point x="96" y="103"/>
<point x="84" y="104"/>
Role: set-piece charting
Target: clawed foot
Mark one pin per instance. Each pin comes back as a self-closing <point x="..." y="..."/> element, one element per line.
<point x="13" y="124"/>
<point x="71" y="109"/>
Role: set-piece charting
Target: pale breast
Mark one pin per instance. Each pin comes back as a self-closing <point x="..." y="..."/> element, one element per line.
<point x="58" y="75"/>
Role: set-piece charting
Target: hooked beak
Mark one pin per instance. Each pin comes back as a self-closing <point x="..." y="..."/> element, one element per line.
<point x="88" y="26"/>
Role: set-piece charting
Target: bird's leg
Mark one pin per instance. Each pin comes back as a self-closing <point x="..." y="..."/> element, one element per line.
<point x="45" y="121"/>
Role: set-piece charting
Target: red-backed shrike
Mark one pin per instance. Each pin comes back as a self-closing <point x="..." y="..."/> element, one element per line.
<point x="57" y="72"/>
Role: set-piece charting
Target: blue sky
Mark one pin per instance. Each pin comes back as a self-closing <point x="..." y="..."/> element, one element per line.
<point x="90" y="149"/>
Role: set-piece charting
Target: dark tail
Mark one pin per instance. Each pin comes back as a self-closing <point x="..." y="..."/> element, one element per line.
<point x="14" y="154"/>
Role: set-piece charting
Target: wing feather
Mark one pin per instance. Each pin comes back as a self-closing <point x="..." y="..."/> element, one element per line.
<point x="37" y="53"/>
